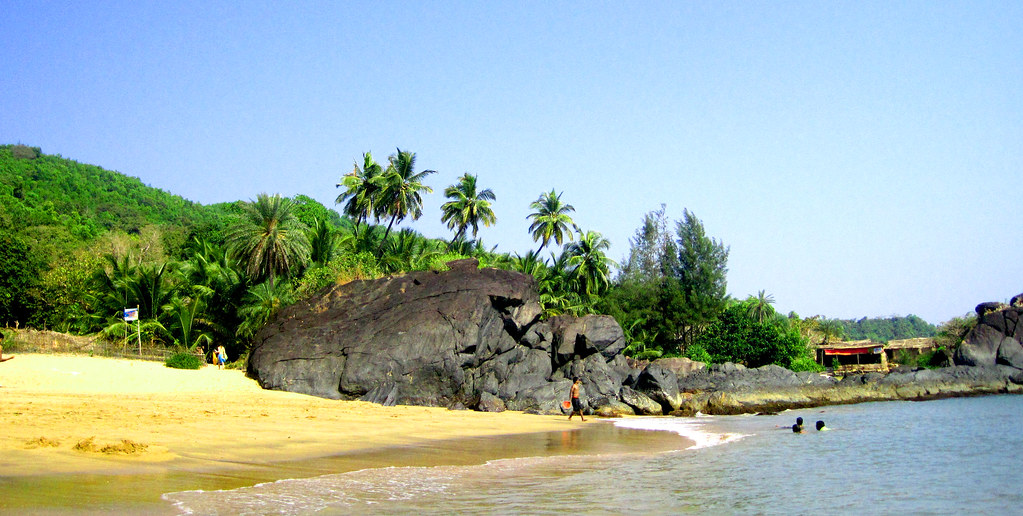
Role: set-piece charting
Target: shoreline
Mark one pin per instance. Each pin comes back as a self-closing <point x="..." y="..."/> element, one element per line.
<point x="170" y="430"/>
<point x="197" y="420"/>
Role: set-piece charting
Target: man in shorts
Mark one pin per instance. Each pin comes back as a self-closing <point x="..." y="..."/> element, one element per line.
<point x="577" y="406"/>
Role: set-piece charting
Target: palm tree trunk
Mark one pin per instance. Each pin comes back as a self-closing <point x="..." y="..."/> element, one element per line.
<point x="458" y="234"/>
<point x="393" y="217"/>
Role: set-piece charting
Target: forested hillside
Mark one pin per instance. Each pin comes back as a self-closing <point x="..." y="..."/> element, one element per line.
<point x="884" y="329"/>
<point x="83" y="201"/>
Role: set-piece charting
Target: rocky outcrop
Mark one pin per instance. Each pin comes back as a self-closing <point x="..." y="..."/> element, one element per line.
<point x="466" y="336"/>
<point x="473" y="338"/>
<point x="771" y="388"/>
<point x="997" y="337"/>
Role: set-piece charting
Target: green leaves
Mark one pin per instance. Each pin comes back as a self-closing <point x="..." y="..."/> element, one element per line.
<point x="269" y="239"/>
<point x="467" y="207"/>
<point x="551" y="219"/>
<point x="736" y="337"/>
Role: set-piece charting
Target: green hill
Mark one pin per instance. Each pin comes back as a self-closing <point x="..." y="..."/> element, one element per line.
<point x="75" y="201"/>
<point x="59" y="218"/>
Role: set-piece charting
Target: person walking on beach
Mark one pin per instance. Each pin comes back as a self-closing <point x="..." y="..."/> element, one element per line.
<point x="221" y="356"/>
<point x="577" y="406"/>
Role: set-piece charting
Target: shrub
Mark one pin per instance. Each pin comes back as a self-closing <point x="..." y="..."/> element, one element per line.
<point x="183" y="360"/>
<point x="698" y="353"/>
<point x="649" y="354"/>
<point x="805" y="363"/>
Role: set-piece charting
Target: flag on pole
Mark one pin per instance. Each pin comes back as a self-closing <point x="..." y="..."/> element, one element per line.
<point x="131" y="314"/>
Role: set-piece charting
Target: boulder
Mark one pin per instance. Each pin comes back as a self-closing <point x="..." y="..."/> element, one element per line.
<point x="584" y="336"/>
<point x="988" y="307"/>
<point x="611" y="407"/>
<point x="490" y="403"/>
<point x="681" y="366"/>
<point x="995" y="339"/>
<point x="598" y="377"/>
<point x="641" y="403"/>
<point x="1016" y="301"/>
<point x="661" y="385"/>
<point x="1010" y="353"/>
<point x="545" y="399"/>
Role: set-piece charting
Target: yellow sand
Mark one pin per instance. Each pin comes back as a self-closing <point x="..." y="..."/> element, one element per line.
<point x="62" y="414"/>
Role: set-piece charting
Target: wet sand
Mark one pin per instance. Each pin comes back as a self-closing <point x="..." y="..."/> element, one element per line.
<point x="85" y="434"/>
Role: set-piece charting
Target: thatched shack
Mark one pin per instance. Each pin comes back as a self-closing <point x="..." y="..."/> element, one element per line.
<point x="899" y="351"/>
<point x="854" y="355"/>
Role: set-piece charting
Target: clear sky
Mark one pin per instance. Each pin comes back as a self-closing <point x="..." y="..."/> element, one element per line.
<point x="859" y="158"/>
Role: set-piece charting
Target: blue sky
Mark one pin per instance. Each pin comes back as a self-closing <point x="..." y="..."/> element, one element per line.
<point x="859" y="158"/>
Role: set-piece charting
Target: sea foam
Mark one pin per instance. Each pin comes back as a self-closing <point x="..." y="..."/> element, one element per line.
<point x="686" y="427"/>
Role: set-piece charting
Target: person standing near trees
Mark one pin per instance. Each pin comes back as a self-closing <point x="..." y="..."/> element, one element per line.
<point x="577" y="405"/>
<point x="221" y="356"/>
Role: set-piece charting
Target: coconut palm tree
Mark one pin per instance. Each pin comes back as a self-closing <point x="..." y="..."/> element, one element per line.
<point x="401" y="189"/>
<point x="551" y="219"/>
<point x="759" y="308"/>
<point x="269" y="239"/>
<point x="829" y="328"/>
<point x="467" y="207"/>
<point x="362" y="191"/>
<point x="589" y="264"/>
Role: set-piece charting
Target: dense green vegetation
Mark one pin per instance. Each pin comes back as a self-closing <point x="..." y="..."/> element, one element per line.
<point x="884" y="329"/>
<point x="80" y="243"/>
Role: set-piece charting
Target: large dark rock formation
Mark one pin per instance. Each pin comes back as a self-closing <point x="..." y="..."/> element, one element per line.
<point x="466" y="336"/>
<point x="997" y="337"/>
<point x="473" y="337"/>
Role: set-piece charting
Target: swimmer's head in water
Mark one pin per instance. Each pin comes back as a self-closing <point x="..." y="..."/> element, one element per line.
<point x="799" y="421"/>
<point x="820" y="424"/>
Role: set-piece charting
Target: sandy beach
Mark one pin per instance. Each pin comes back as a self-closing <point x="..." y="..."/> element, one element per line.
<point x="79" y="414"/>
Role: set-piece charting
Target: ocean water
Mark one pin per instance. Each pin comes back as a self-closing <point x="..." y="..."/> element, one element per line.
<point x="954" y="456"/>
